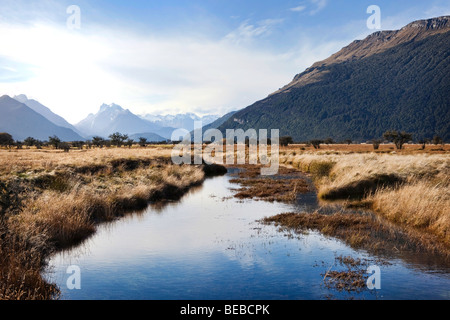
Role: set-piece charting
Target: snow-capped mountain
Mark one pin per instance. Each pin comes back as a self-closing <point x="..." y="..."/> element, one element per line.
<point x="183" y="120"/>
<point x="113" y="118"/>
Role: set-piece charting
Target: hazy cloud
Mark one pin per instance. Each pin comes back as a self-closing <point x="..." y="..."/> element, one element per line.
<point x="247" y="31"/>
<point x="313" y="6"/>
<point x="437" y="11"/>
<point x="319" y="5"/>
<point x="298" y="9"/>
<point x="74" y="73"/>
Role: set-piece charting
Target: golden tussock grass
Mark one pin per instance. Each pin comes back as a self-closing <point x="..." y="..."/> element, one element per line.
<point x="19" y="161"/>
<point x="409" y="189"/>
<point x="420" y="205"/>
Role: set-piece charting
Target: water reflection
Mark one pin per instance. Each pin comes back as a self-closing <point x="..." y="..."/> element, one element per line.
<point x="209" y="245"/>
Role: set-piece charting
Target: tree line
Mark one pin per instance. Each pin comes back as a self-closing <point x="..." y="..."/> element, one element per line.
<point x="398" y="138"/>
<point x="116" y="139"/>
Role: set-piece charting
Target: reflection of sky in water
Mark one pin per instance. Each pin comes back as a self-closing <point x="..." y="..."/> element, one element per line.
<point x="209" y="246"/>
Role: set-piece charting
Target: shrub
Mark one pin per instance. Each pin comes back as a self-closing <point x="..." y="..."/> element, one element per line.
<point x="398" y="138"/>
<point x="321" y="168"/>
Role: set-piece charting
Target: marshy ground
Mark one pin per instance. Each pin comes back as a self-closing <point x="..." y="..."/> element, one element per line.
<point x="384" y="201"/>
<point x="282" y="187"/>
<point x="388" y="203"/>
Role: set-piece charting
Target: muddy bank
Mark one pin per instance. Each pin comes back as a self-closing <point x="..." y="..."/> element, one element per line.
<point x="283" y="187"/>
<point x="367" y="232"/>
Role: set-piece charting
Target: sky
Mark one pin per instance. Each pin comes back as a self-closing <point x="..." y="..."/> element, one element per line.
<point x="177" y="56"/>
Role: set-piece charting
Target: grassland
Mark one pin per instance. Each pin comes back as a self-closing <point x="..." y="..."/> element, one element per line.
<point x="52" y="200"/>
<point x="408" y="189"/>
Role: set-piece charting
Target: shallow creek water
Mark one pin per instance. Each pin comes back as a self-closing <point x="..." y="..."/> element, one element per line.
<point x="210" y="245"/>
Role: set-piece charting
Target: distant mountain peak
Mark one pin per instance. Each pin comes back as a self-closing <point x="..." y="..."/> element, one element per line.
<point x="438" y="23"/>
<point x="380" y="41"/>
<point x="111" y="118"/>
<point x="112" y="106"/>
<point x="22" y="121"/>
<point x="374" y="43"/>
<point x="46" y="112"/>
<point x="180" y="120"/>
<point x="21" y="98"/>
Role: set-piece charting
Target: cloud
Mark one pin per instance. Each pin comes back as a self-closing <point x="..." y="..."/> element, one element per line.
<point x="73" y="73"/>
<point x="437" y="11"/>
<point x="298" y="9"/>
<point x="246" y="31"/>
<point x="320" y="5"/>
<point x="313" y="6"/>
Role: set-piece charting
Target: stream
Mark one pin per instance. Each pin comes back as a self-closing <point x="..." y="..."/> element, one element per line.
<point x="210" y="245"/>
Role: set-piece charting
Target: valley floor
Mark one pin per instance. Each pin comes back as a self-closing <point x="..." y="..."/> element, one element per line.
<point x="52" y="200"/>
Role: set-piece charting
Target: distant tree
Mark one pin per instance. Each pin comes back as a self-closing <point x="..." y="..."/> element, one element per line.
<point x="54" y="141"/>
<point x="316" y="143"/>
<point x="78" y="144"/>
<point x="64" y="146"/>
<point x="98" y="141"/>
<point x="129" y="143"/>
<point x="118" y="139"/>
<point x="38" y="143"/>
<point x="437" y="140"/>
<point x="348" y="141"/>
<point x="398" y="138"/>
<point x="286" y="140"/>
<point x="376" y="143"/>
<point x="29" y="142"/>
<point x="6" y="140"/>
<point x="328" y="141"/>
<point x="107" y="143"/>
<point x="423" y="142"/>
<point x="89" y="144"/>
<point x="18" y="144"/>
<point x="143" y="142"/>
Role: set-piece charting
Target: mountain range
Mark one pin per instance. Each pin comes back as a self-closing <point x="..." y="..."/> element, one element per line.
<point x="21" y="122"/>
<point x="23" y="117"/>
<point x="184" y="120"/>
<point x="113" y="118"/>
<point x="391" y="80"/>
